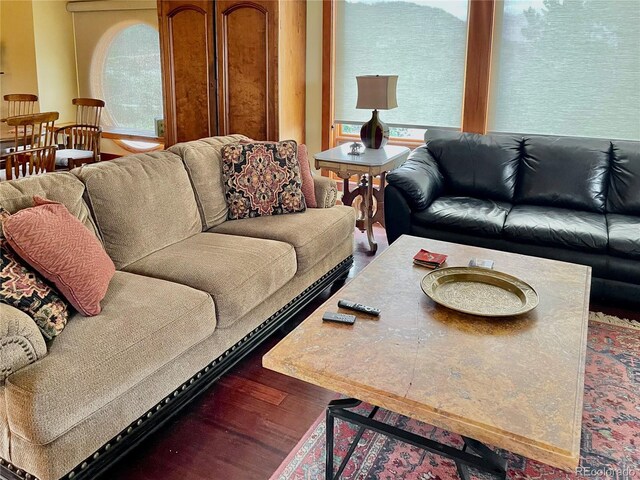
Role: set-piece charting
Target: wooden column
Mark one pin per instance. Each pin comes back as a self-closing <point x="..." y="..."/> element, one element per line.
<point x="478" y="66"/>
<point x="328" y="71"/>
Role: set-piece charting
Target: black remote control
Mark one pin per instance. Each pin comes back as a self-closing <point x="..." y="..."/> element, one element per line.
<point x="358" y="307"/>
<point x="339" y="317"/>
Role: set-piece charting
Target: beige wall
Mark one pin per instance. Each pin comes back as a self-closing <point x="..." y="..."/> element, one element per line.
<point x="29" y="72"/>
<point x="17" y="49"/>
<point x="90" y="28"/>
<point x="314" y="78"/>
<point x="55" y="57"/>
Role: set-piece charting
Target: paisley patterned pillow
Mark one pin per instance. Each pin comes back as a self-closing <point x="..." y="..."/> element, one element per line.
<point x="24" y="288"/>
<point x="262" y="179"/>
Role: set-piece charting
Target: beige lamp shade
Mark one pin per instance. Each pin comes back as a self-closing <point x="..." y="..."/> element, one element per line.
<point x="377" y="92"/>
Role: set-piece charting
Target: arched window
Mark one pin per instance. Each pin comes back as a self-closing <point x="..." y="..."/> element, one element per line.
<point x="126" y="75"/>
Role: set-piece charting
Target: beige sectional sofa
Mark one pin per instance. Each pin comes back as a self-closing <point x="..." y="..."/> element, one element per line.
<point x="193" y="293"/>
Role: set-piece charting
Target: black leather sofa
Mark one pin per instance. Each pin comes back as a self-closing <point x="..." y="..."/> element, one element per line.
<point x="570" y="199"/>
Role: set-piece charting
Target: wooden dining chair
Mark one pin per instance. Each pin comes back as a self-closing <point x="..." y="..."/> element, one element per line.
<point x="20" y="104"/>
<point x="88" y="111"/>
<point x="34" y="149"/>
<point x="77" y="145"/>
<point x="80" y="143"/>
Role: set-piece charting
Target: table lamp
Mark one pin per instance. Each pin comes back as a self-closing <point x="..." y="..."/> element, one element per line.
<point x="379" y="93"/>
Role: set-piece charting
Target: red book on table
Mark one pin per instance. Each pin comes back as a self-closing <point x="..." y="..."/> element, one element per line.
<point x="429" y="259"/>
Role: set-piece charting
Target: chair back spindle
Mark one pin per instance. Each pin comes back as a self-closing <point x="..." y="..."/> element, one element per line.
<point x="79" y="144"/>
<point x="88" y="111"/>
<point x="20" y="104"/>
<point x="34" y="148"/>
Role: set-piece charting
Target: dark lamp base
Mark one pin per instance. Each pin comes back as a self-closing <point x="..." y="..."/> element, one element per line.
<point x="374" y="133"/>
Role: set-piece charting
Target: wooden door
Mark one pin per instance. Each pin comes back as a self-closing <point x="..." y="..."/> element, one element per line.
<point x="247" y="68"/>
<point x="188" y="69"/>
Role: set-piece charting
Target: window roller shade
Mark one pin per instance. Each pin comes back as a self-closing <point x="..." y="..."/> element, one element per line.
<point x="423" y="42"/>
<point x="567" y="68"/>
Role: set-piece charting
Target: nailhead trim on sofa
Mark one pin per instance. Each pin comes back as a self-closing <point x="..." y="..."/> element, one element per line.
<point x="145" y="425"/>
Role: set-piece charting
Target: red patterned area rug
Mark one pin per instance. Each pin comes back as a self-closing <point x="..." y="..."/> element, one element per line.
<point x="610" y="446"/>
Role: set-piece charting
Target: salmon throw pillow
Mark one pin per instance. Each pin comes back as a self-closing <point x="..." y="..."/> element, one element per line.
<point x="62" y="250"/>
<point x="308" y="187"/>
<point x="25" y="289"/>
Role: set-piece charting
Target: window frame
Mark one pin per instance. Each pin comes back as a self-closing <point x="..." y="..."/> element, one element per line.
<point x="342" y="137"/>
<point x="95" y="81"/>
<point x="477" y="74"/>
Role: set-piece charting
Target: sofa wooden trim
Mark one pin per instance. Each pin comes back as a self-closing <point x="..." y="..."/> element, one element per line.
<point x="129" y="438"/>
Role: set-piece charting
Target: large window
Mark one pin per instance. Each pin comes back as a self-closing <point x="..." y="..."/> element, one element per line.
<point x="421" y="41"/>
<point x="127" y="76"/>
<point x="555" y="67"/>
<point x="567" y="68"/>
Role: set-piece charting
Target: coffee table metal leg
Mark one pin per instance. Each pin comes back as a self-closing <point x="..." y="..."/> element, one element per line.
<point x="330" y="420"/>
<point x="491" y="457"/>
<point x="329" y="446"/>
<point x="463" y="470"/>
<point x="483" y="459"/>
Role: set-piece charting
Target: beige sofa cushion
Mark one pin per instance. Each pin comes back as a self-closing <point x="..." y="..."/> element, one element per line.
<point x="141" y="203"/>
<point x="313" y="233"/>
<point x="144" y="324"/>
<point x="53" y="460"/>
<point x="61" y="187"/>
<point x="203" y="160"/>
<point x="239" y="272"/>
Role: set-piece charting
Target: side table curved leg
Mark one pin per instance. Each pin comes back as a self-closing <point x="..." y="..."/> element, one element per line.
<point x="368" y="205"/>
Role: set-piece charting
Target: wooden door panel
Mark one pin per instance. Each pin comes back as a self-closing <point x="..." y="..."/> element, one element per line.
<point x="188" y="61"/>
<point x="247" y="65"/>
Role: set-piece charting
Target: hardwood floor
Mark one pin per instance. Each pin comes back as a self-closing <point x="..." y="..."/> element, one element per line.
<point x="246" y="424"/>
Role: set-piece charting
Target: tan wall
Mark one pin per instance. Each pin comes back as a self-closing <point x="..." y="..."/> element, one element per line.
<point x="17" y="49"/>
<point x="21" y="65"/>
<point x="90" y="28"/>
<point x="55" y="57"/>
<point x="314" y="78"/>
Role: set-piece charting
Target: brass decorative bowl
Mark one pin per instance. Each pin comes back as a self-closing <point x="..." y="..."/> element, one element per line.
<point x="479" y="291"/>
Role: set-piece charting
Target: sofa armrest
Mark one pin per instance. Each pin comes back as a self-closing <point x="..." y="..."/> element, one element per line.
<point x="326" y="191"/>
<point x="21" y="342"/>
<point x="419" y="178"/>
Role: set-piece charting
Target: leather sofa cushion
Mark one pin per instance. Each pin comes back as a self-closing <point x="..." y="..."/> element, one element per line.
<point x="558" y="227"/>
<point x="238" y="272"/>
<point x="473" y="165"/>
<point x="145" y="323"/>
<point x="564" y="172"/>
<point x="419" y="178"/>
<point x="313" y="233"/>
<point x="141" y="203"/>
<point x="624" y="186"/>
<point x="624" y="235"/>
<point x="203" y="162"/>
<point x="483" y="217"/>
<point x="624" y="270"/>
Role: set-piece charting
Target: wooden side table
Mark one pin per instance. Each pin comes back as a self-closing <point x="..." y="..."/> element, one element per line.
<point x="369" y="164"/>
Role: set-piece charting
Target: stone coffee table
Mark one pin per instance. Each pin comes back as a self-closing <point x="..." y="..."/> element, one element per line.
<point x="515" y="383"/>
